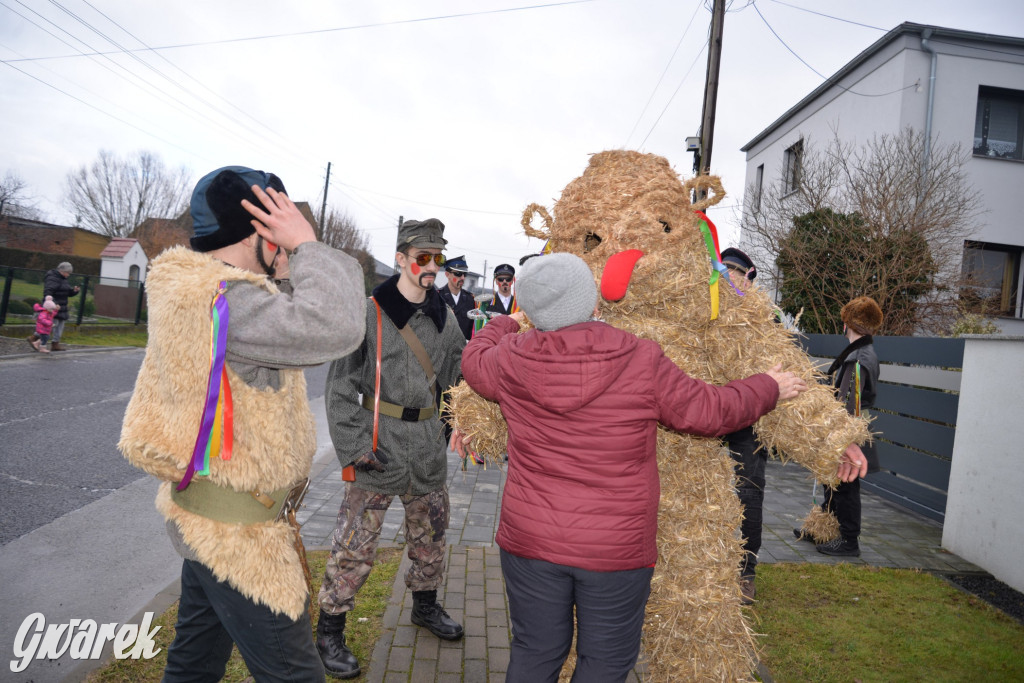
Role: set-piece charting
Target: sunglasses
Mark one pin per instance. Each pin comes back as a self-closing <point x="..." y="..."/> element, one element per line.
<point x="503" y="279"/>
<point x="455" y="273"/>
<point x="425" y="258"/>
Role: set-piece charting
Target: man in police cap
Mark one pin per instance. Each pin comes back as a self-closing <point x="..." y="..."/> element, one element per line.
<point x="504" y="301"/>
<point x="392" y="438"/>
<point x="460" y="302"/>
<point x="751" y="458"/>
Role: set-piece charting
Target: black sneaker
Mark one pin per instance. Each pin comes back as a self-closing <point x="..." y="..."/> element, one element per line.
<point x="802" y="535"/>
<point x="839" y="548"/>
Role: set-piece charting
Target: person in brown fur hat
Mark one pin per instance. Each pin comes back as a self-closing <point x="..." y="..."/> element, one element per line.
<point x="854" y="374"/>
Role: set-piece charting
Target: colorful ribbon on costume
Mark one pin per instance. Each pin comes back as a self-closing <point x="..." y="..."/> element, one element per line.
<point x="216" y="427"/>
<point x="856" y="388"/>
<point x="710" y="233"/>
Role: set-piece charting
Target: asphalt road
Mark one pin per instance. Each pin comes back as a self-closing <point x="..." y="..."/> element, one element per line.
<point x="60" y="419"/>
<point x="80" y="537"/>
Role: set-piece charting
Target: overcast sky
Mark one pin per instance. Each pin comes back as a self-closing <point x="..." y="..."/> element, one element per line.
<point x="464" y="110"/>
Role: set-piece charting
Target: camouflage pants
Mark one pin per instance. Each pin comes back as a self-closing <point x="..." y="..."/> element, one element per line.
<point x="355" y="537"/>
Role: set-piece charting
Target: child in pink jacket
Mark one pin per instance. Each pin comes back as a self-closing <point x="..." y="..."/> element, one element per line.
<point x="44" y="324"/>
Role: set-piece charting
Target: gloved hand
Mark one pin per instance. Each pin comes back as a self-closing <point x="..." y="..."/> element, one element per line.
<point x="370" y="461"/>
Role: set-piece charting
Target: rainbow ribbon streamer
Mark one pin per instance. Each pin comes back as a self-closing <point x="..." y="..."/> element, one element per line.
<point x="856" y="389"/>
<point x="710" y="233"/>
<point x="216" y="428"/>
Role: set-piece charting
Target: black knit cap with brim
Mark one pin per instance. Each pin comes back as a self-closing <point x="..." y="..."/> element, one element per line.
<point x="737" y="257"/>
<point x="218" y="218"/>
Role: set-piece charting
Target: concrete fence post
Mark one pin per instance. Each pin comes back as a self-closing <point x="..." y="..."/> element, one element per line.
<point x="986" y="481"/>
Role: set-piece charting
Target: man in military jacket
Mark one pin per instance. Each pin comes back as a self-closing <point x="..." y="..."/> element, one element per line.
<point x="396" y="444"/>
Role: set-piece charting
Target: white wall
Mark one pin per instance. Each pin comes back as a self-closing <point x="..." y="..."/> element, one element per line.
<point x="986" y="479"/>
<point x="998" y="181"/>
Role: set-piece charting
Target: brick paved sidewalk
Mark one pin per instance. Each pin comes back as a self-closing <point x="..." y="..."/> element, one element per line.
<point x="474" y="592"/>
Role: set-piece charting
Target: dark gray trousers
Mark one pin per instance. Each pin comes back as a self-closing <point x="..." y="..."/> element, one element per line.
<point x="750" y="465"/>
<point x="212" y="615"/>
<point x="609" y="617"/>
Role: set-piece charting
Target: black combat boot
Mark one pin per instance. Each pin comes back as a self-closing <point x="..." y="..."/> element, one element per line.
<point x="330" y="643"/>
<point x="426" y="612"/>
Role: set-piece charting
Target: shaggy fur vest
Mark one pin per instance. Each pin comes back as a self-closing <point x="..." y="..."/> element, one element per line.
<point x="274" y="432"/>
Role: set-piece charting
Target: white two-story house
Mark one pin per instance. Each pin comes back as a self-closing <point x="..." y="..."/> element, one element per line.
<point x="954" y="86"/>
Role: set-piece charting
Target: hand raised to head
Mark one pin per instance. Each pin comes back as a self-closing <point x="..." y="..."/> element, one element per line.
<point x="281" y="222"/>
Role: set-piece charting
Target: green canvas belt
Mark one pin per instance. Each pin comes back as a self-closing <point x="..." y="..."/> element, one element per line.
<point x="399" y="412"/>
<point x="204" y="498"/>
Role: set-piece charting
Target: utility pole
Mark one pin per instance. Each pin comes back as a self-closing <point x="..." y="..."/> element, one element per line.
<point x="323" y="207"/>
<point x="707" y="123"/>
<point x="401" y="219"/>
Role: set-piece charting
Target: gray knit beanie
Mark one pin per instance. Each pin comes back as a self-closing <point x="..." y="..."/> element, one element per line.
<point x="556" y="290"/>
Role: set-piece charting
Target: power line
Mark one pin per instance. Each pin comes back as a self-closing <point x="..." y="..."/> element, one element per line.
<point x="282" y="142"/>
<point x="438" y="206"/>
<point x="662" y="77"/>
<point x="674" y="93"/>
<point x="821" y="75"/>
<point x="330" y="30"/>
<point x="136" y="80"/>
<point x="116" y="118"/>
<point x="828" y="16"/>
<point x="193" y="112"/>
<point x="143" y="84"/>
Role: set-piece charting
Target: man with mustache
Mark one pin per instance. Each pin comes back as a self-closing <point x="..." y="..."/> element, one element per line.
<point x="393" y="440"/>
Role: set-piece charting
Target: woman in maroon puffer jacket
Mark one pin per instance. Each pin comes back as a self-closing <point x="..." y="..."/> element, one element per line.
<point x="579" y="515"/>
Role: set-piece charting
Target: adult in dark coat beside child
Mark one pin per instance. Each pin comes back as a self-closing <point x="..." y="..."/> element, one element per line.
<point x="56" y="285"/>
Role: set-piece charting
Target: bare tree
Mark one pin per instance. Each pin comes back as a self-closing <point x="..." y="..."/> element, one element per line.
<point x="114" y="195"/>
<point x="14" y="198"/>
<point x="340" y="231"/>
<point x="877" y="220"/>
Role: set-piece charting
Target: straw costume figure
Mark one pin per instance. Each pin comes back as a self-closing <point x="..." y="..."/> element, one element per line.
<point x="630" y="218"/>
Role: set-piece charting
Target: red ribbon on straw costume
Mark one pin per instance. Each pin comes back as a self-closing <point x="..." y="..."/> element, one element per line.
<point x="216" y="427"/>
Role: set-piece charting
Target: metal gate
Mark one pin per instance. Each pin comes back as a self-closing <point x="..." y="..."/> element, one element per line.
<point x="915" y="416"/>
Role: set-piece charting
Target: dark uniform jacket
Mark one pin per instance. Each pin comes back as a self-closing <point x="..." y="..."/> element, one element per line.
<point x="495" y="306"/>
<point x="466" y="303"/>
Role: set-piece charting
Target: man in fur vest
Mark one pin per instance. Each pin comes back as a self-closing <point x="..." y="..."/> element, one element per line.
<point x="393" y="439"/>
<point x="227" y="345"/>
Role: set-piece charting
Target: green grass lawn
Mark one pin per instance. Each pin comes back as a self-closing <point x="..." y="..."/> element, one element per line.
<point x="97" y="336"/>
<point x="856" y="623"/>
<point x="361" y="632"/>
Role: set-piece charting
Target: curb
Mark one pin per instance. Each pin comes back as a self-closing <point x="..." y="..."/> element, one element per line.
<point x="68" y="351"/>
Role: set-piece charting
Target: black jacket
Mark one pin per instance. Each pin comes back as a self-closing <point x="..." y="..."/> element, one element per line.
<point x="57" y="286"/>
<point x="858" y="360"/>
<point x="495" y="305"/>
<point x="466" y="303"/>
